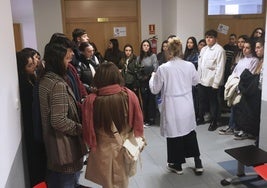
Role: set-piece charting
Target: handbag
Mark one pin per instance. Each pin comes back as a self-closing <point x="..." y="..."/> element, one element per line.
<point x="131" y="147"/>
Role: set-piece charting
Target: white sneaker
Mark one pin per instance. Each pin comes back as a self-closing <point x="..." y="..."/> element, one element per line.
<point x="146" y="125"/>
<point x="226" y="131"/>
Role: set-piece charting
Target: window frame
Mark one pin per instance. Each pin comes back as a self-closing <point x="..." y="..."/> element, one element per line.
<point x="240" y="16"/>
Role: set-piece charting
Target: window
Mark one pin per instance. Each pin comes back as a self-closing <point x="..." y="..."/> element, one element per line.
<point x="234" y="7"/>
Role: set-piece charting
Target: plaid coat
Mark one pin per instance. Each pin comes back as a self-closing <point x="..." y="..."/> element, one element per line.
<point x="62" y="129"/>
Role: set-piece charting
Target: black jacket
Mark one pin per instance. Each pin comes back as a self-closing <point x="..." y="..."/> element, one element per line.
<point x="85" y="72"/>
<point x="247" y="111"/>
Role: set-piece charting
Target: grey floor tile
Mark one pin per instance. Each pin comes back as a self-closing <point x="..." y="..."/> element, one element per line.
<point x="153" y="173"/>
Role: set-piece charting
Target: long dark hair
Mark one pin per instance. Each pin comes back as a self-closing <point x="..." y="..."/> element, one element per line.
<point x="126" y="46"/>
<point x="262" y="42"/>
<point x="110" y="108"/>
<point x="124" y="58"/>
<point x="22" y="60"/>
<point x="194" y="50"/>
<point x="60" y="38"/>
<point x="239" y="52"/>
<point x="54" y="58"/>
<point x="113" y="54"/>
<point x="115" y="48"/>
<point x="145" y="54"/>
<point x="254" y="31"/>
<point x="31" y="51"/>
<point x="162" y="44"/>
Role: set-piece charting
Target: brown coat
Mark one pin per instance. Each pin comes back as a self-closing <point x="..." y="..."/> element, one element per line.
<point x="62" y="130"/>
<point x="106" y="165"/>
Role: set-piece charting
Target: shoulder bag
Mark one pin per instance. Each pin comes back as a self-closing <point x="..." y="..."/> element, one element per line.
<point x="132" y="147"/>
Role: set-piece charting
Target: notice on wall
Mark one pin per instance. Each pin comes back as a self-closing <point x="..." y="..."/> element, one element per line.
<point x="119" y="31"/>
<point x="223" y="29"/>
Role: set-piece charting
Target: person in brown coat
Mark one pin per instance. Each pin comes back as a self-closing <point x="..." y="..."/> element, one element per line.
<point x="111" y="104"/>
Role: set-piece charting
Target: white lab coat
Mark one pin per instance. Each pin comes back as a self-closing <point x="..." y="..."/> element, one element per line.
<point x="174" y="80"/>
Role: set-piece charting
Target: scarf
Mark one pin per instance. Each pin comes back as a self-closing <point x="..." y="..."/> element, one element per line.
<point x="135" y="116"/>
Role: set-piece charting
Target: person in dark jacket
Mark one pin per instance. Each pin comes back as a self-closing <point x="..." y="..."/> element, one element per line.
<point x="249" y="108"/>
<point x="161" y="56"/>
<point x="148" y="63"/>
<point x="87" y="65"/>
<point x="247" y="111"/>
<point x="35" y="152"/>
<point x="191" y="54"/>
<point x="113" y="53"/>
<point x="231" y="49"/>
<point x="129" y="70"/>
<point x="97" y="54"/>
<point x="79" y="35"/>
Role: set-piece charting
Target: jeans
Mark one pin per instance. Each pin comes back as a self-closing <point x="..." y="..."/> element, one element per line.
<point x="232" y="120"/>
<point x="61" y="180"/>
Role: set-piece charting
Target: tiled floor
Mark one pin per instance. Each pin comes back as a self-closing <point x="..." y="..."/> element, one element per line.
<point x="153" y="172"/>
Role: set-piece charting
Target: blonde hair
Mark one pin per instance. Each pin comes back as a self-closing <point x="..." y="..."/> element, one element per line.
<point x="175" y="48"/>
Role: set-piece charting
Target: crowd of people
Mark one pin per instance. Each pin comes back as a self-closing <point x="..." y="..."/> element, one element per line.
<point x="73" y="96"/>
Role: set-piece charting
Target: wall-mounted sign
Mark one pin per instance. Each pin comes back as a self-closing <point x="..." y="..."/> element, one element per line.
<point x="223" y="29"/>
<point x="119" y="31"/>
<point x="152" y="29"/>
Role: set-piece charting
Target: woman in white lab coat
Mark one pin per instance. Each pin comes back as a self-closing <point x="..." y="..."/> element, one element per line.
<point x="174" y="80"/>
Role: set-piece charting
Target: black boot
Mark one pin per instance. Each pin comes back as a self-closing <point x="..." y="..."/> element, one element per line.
<point x="198" y="166"/>
<point x="213" y="126"/>
<point x="200" y="121"/>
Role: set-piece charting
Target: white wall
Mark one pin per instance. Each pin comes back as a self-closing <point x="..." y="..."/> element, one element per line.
<point x="179" y="17"/>
<point x="39" y="19"/>
<point x="10" y="134"/>
<point x="183" y="18"/>
<point x="190" y="19"/>
<point x="22" y="13"/>
<point x="264" y="90"/>
<point x="48" y="20"/>
<point x="169" y="19"/>
<point x="263" y="127"/>
<point x="151" y="13"/>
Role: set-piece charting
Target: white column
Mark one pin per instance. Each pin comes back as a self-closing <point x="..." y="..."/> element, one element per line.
<point x="10" y="134"/>
<point x="263" y="124"/>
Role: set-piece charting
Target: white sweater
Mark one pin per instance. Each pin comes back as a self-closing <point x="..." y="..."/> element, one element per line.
<point x="211" y="65"/>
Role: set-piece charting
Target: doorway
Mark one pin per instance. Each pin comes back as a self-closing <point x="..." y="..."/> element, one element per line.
<point x="104" y="20"/>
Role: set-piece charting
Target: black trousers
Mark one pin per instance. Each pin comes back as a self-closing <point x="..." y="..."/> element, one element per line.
<point x="149" y="103"/>
<point x="195" y="99"/>
<point x="209" y="97"/>
<point x="137" y="92"/>
<point x="179" y="148"/>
